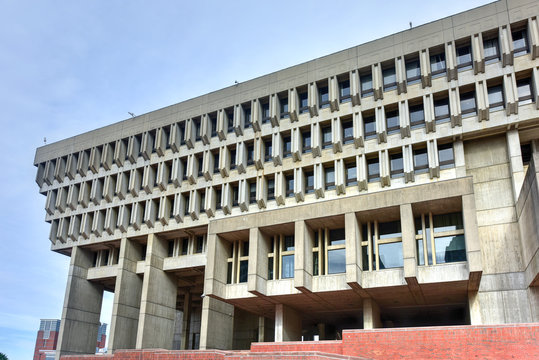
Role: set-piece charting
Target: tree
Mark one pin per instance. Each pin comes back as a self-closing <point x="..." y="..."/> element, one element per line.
<point x="3" y="356"/>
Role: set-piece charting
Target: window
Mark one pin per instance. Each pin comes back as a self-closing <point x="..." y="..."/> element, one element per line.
<point x="267" y="150"/>
<point x="238" y="262"/>
<point x="526" y="153"/>
<point x="252" y="192"/>
<point x="323" y="97"/>
<point x="437" y="64"/>
<point x="250" y="154"/>
<point x="184" y="246"/>
<point x="344" y="91"/>
<point x="284" y="107"/>
<point x="390" y="78"/>
<point x="218" y="193"/>
<point x="520" y="42"/>
<point x="303" y="102"/>
<point x="495" y="98"/>
<point x="187" y="204"/>
<point x="373" y="169"/>
<point x="524" y="89"/>
<point x="329" y="252"/>
<point x="413" y="71"/>
<point x="281" y="257"/>
<point x="265" y="112"/>
<point x="232" y="159"/>
<point x="348" y="131"/>
<point x="213" y="121"/>
<point x="421" y="161"/>
<point x="446" y="157"/>
<point x="200" y="167"/>
<point x="202" y="197"/>
<point x="271" y="189"/>
<point x="287" y="147"/>
<point x="306" y="138"/>
<point x="196" y="124"/>
<point x="417" y="116"/>
<point x="199" y="244"/>
<point x="440" y="238"/>
<point x="369" y="123"/>
<point x="491" y="50"/>
<point x="351" y="174"/>
<point x="441" y="110"/>
<point x="326" y="137"/>
<point x="329" y="177"/>
<point x="467" y="103"/>
<point x="235" y="195"/>
<point x="382" y="245"/>
<point x="397" y="165"/>
<point x="230" y="117"/>
<point x="289" y="182"/>
<point x="215" y="163"/>
<point x="464" y="57"/>
<point x="392" y="122"/>
<point x="247" y="116"/>
<point x="366" y="85"/>
<point x="309" y="182"/>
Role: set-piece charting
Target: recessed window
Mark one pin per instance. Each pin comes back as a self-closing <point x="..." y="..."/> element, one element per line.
<point x="351" y="174"/>
<point x="287" y="257"/>
<point x="441" y="110"/>
<point x="520" y="42"/>
<point x="373" y="169"/>
<point x="467" y="103"/>
<point x="284" y="107"/>
<point x="390" y="245"/>
<point x="491" y="50"/>
<point x="323" y="97"/>
<point x="344" y="91"/>
<point x="336" y="253"/>
<point x="495" y="98"/>
<point x="247" y="116"/>
<point x="252" y="192"/>
<point x="526" y="153"/>
<point x="267" y="150"/>
<point x="303" y="102"/>
<point x="200" y="167"/>
<point x="250" y="154"/>
<point x="437" y="64"/>
<point x="369" y="123"/>
<point x="215" y="163"/>
<point x="390" y="78"/>
<point x="196" y="124"/>
<point x="366" y="85"/>
<point x="232" y="159"/>
<point x="309" y="182"/>
<point x="271" y="189"/>
<point x="289" y="182"/>
<point x="417" y="116"/>
<point x="397" y="165"/>
<point x="265" y="113"/>
<point x="524" y="88"/>
<point x="464" y="57"/>
<point x="287" y="147"/>
<point x="348" y="131"/>
<point x="213" y="121"/>
<point x="392" y="122"/>
<point x="239" y="261"/>
<point x="329" y="177"/>
<point x="306" y="139"/>
<point x="446" y="157"/>
<point x="230" y="117"/>
<point x="235" y="195"/>
<point x="199" y="244"/>
<point x="413" y="71"/>
<point x="218" y="194"/>
<point x="443" y="234"/>
<point x="326" y="137"/>
<point x="421" y="161"/>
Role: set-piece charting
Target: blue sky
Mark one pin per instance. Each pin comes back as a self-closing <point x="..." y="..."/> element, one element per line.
<point x="68" y="67"/>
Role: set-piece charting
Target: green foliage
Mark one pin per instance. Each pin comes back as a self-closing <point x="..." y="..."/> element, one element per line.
<point x="3" y="356"/>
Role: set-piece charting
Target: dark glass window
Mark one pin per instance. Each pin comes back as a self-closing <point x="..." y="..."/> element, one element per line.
<point x="329" y="177"/>
<point x="230" y="117"/>
<point x="344" y="91"/>
<point x="309" y="182"/>
<point x="218" y="199"/>
<point x="323" y="97"/>
<point x="467" y="103"/>
<point x="524" y="88"/>
<point x="287" y="266"/>
<point x="245" y="248"/>
<point x="303" y="102"/>
<point x="413" y="71"/>
<point x="373" y="169"/>
<point x="196" y="123"/>
<point x="202" y="201"/>
<point x="389" y="230"/>
<point x="366" y="85"/>
<point x="185" y="246"/>
<point x="170" y="252"/>
<point x="289" y="180"/>
<point x="348" y="132"/>
<point x="247" y="117"/>
<point x="520" y="42"/>
<point x="199" y="244"/>
<point x="464" y="57"/>
<point x="326" y="137"/>
<point x="446" y="157"/>
<point x="265" y="113"/>
<point x="187" y="201"/>
<point x="306" y="136"/>
<point x="351" y="174"/>
<point x="215" y="163"/>
<point x="229" y="273"/>
<point x="287" y="147"/>
<point x="252" y="192"/>
<point x="232" y="159"/>
<point x="390" y="78"/>
<point x="284" y="107"/>
<point x="417" y="116"/>
<point x="447" y="222"/>
<point x="437" y="64"/>
<point x="397" y="165"/>
<point x="213" y="121"/>
<point x="336" y="261"/>
<point x="421" y="161"/>
<point x="289" y="243"/>
<point x="235" y="195"/>
<point x="270" y="268"/>
<point x="526" y="153"/>
<point x="267" y="150"/>
<point x="369" y="123"/>
<point x="390" y="255"/>
<point x="250" y="154"/>
<point x="271" y="189"/>
<point x="441" y="110"/>
<point x="495" y="98"/>
<point x="244" y="267"/>
<point x="491" y="50"/>
<point x="337" y="237"/>
<point x="392" y="122"/>
<point x="450" y="249"/>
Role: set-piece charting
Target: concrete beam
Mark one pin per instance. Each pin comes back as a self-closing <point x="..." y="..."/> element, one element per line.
<point x="258" y="262"/>
<point x="354" y="258"/>
<point x="473" y="245"/>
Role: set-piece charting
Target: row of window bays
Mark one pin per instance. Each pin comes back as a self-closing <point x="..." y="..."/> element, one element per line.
<point x="439" y="239"/>
<point x="492" y="95"/>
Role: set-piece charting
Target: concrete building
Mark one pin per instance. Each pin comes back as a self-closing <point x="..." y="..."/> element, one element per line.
<point x="390" y="184"/>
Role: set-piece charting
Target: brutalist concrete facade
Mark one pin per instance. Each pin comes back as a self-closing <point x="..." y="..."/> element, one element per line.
<point x="391" y="184"/>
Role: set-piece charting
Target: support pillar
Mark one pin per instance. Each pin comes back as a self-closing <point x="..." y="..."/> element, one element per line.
<point x="287" y="324"/>
<point x="261" y="328"/>
<point x="82" y="308"/>
<point x="186" y="321"/>
<point x="217" y="327"/>
<point x="515" y="161"/>
<point x="371" y="314"/>
<point x="321" y="331"/>
<point x="473" y="245"/>
<point x="409" y="251"/>
<point x="158" y="300"/>
<point x="354" y="258"/>
<point x="303" y="259"/>
<point x="126" y="306"/>
<point x="474" y="308"/>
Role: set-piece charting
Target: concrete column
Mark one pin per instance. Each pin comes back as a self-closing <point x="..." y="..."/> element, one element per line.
<point x="186" y="321"/>
<point x="158" y="300"/>
<point x="371" y="314"/>
<point x="474" y="308"/>
<point x="354" y="258"/>
<point x="82" y="308"/>
<point x="258" y="262"/>
<point x="515" y="161"/>
<point x="261" y="328"/>
<point x="217" y="324"/>
<point x="287" y="324"/>
<point x="473" y="245"/>
<point x="321" y="331"/>
<point x="216" y="265"/>
<point x="409" y="252"/>
<point x="303" y="258"/>
<point x="127" y="292"/>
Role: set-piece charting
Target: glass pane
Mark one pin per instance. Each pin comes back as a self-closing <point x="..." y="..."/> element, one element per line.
<point x="229" y="273"/>
<point x="366" y="82"/>
<point x="348" y="130"/>
<point x="445" y="156"/>
<point x="389" y="229"/>
<point x="344" y="88"/>
<point x="389" y="76"/>
<point x="370" y="126"/>
<point x="418" y="226"/>
<point x="520" y="42"/>
<point x="288" y="243"/>
<point x="315" y="264"/>
<point x="390" y="255"/>
<point x="441" y="108"/>
<point x="421" y="159"/>
<point x="447" y="222"/>
<point x="336" y="261"/>
<point x="373" y="167"/>
<point x="365" y="254"/>
<point x="429" y="247"/>
<point x="244" y="265"/>
<point x="464" y="55"/>
<point x="495" y="95"/>
<point x="437" y="62"/>
<point x="412" y="69"/>
<point x="309" y="180"/>
<point x="351" y="173"/>
<point x="397" y="165"/>
<point x="245" y="249"/>
<point x="336" y="237"/>
<point x="287" y="267"/>
<point x="416" y="114"/>
<point x="491" y="48"/>
<point x="270" y="268"/>
<point x="306" y="139"/>
<point x="524" y="88"/>
<point x="467" y="102"/>
<point x="392" y="120"/>
<point x="330" y="175"/>
<point x="326" y="134"/>
<point x="323" y="93"/>
<point x="420" y="253"/>
<point x="450" y="249"/>
<point x="303" y="100"/>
